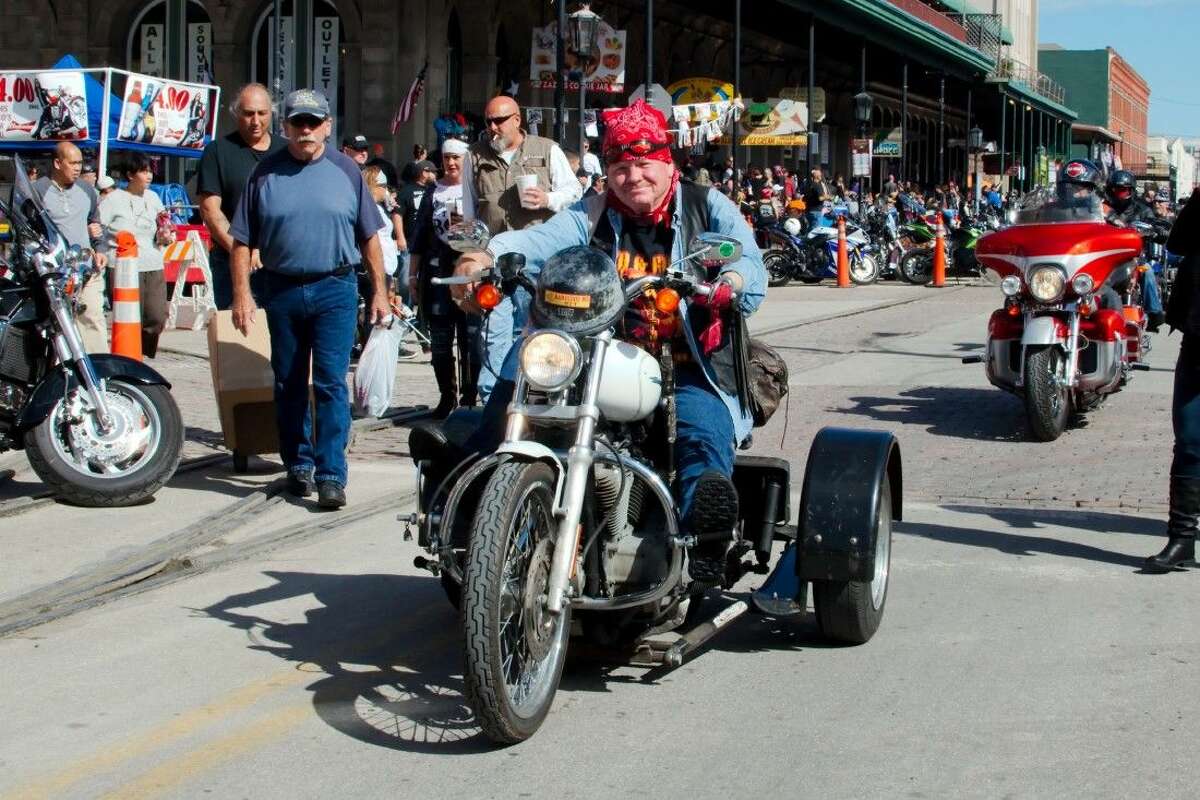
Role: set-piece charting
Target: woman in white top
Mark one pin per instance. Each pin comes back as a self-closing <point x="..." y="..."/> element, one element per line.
<point x="136" y="209"/>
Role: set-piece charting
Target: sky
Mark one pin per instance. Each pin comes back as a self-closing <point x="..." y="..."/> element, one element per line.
<point x="1159" y="38"/>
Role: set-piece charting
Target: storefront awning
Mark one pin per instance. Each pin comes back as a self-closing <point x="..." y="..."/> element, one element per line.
<point x="888" y="26"/>
<point x="1022" y="93"/>
<point x="1096" y="131"/>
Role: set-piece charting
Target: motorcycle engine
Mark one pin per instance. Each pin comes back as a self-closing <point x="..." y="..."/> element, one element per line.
<point x="634" y="551"/>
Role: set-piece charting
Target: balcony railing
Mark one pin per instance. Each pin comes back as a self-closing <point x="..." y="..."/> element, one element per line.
<point x="1010" y="69"/>
<point x="930" y="16"/>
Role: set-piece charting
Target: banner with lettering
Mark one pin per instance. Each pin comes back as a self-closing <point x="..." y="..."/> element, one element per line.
<point x="166" y="113"/>
<point x="603" y="72"/>
<point x="43" y="106"/>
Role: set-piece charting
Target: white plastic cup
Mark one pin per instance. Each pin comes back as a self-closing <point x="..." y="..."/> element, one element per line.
<point x="525" y="182"/>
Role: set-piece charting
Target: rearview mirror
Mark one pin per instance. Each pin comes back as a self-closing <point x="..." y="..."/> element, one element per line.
<point x="468" y="236"/>
<point x="715" y="249"/>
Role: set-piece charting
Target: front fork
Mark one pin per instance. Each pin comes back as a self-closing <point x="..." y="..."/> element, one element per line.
<point x="68" y="346"/>
<point x="579" y="474"/>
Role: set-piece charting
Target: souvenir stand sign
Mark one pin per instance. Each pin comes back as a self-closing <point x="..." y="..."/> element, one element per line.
<point x="604" y="70"/>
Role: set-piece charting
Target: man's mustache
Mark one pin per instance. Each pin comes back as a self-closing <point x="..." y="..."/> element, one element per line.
<point x="307" y="139"/>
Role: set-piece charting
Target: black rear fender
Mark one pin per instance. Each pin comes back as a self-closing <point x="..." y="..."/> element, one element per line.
<point x="843" y="483"/>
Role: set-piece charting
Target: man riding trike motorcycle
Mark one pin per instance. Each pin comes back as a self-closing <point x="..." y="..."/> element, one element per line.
<point x="647" y="210"/>
<point x="600" y="479"/>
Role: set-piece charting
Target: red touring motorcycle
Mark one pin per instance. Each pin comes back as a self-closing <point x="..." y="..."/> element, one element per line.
<point x="573" y="518"/>
<point x="1053" y="343"/>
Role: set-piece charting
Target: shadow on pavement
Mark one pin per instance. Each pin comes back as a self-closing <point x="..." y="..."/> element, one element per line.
<point x="964" y="413"/>
<point x="1018" y="544"/>
<point x="388" y="648"/>
<point x="1099" y="522"/>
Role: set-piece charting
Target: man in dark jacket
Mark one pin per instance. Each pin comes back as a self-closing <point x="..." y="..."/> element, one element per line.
<point x="1184" y="314"/>
<point x="1121" y="194"/>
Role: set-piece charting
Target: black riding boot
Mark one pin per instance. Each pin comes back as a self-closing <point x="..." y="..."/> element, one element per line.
<point x="443" y="371"/>
<point x="712" y="517"/>
<point x="1182" y="524"/>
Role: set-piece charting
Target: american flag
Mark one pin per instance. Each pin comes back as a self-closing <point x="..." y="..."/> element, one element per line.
<point x="405" y="111"/>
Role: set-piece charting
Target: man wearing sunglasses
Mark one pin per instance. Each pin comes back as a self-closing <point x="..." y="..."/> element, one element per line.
<point x="309" y="213"/>
<point x="505" y="154"/>
<point x="1120" y="192"/>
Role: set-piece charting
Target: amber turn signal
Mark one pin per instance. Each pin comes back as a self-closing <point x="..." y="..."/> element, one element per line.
<point x="488" y="296"/>
<point x="666" y="301"/>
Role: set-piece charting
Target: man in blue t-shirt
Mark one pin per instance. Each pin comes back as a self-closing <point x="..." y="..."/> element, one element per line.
<point x="309" y="214"/>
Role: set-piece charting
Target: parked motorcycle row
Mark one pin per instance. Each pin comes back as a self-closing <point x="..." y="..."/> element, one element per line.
<point x="883" y="241"/>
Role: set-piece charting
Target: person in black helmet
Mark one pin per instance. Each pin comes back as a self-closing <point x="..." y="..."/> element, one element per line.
<point x="1120" y="191"/>
<point x="1183" y="314"/>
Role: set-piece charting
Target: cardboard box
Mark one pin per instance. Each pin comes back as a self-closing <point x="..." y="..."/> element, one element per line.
<point x="244" y="384"/>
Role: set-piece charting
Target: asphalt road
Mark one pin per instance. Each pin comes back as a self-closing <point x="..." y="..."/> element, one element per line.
<point x="1022" y="654"/>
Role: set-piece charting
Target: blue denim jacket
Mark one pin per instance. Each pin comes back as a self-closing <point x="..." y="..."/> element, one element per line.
<point x="571" y="227"/>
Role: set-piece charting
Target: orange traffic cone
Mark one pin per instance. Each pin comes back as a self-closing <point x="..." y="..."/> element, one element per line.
<point x="843" y="263"/>
<point x="127" y="303"/>
<point x="939" y="253"/>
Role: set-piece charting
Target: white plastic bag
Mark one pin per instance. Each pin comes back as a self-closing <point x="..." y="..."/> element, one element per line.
<point x="376" y="373"/>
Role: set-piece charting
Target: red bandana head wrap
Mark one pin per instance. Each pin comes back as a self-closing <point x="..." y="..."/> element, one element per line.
<point x="635" y="133"/>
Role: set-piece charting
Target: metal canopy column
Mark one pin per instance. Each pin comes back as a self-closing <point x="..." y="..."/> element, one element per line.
<point x="1003" y="132"/>
<point x="941" y="152"/>
<point x="967" y="145"/>
<point x="812" y="85"/>
<point x="735" y="148"/>
<point x="560" y="86"/>
<point x="904" y="124"/>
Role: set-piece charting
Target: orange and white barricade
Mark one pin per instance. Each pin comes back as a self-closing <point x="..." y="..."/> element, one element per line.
<point x="189" y="257"/>
<point x="126" y="299"/>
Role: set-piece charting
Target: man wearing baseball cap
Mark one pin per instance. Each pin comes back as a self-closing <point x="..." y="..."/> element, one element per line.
<point x="356" y="147"/>
<point x="312" y="218"/>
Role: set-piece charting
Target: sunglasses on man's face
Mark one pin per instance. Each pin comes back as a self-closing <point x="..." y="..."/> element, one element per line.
<point x="498" y="121"/>
<point x="305" y="121"/>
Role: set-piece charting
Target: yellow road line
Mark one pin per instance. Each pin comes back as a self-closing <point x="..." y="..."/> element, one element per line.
<point x="251" y="737"/>
<point x="185" y="724"/>
<point x="181" y="726"/>
<point x="178" y="770"/>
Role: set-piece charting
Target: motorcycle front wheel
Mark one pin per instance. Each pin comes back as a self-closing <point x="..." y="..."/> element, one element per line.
<point x="514" y="649"/>
<point x="864" y="270"/>
<point x="1047" y="402"/>
<point x="917" y="266"/>
<point x="124" y="465"/>
<point x="779" y="268"/>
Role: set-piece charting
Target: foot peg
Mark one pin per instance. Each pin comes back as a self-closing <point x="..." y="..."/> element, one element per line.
<point x="1139" y="366"/>
<point x="972" y="359"/>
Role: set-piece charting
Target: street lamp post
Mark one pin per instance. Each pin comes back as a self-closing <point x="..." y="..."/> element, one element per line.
<point x="864" y="104"/>
<point x="974" y="146"/>
<point x="585" y="26"/>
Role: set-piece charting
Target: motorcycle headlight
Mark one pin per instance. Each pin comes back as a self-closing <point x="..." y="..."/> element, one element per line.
<point x="1010" y="286"/>
<point x="1046" y="284"/>
<point x="1083" y="284"/>
<point x="550" y="361"/>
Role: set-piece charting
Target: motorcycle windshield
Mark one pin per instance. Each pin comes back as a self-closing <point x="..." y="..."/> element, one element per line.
<point x="25" y="205"/>
<point x="1068" y="204"/>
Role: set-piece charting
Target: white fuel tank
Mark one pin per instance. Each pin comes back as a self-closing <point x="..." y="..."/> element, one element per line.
<point x="630" y="385"/>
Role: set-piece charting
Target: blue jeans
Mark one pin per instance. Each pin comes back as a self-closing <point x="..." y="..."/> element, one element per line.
<point x="1151" y="296"/>
<point x="704" y="435"/>
<point x="314" y="320"/>
<point x="500" y="329"/>
<point x="402" y="272"/>
<point x="1185" y="410"/>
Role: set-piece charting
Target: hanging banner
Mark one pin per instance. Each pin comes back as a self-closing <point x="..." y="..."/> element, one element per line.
<point x="774" y="122"/>
<point x="199" y="52"/>
<point x="860" y="157"/>
<point x="42" y="106"/>
<point x="167" y="113"/>
<point x="824" y="144"/>
<point x="281" y="55"/>
<point x="325" y="63"/>
<point x="152" y="50"/>
<point x="700" y="90"/>
<point x="800" y="94"/>
<point x="886" y="142"/>
<point x="603" y="72"/>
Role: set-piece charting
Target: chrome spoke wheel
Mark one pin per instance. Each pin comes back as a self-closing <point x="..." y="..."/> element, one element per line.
<point x="124" y="446"/>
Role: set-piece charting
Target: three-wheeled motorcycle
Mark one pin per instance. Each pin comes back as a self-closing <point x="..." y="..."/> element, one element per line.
<point x="573" y="515"/>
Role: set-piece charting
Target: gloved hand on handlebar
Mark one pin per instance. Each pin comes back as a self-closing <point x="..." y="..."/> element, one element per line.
<point x="718" y="301"/>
